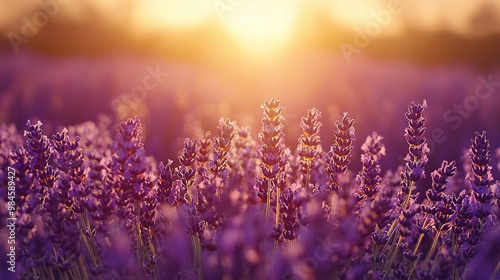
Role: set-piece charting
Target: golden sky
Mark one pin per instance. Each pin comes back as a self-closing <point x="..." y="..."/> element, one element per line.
<point x="263" y="25"/>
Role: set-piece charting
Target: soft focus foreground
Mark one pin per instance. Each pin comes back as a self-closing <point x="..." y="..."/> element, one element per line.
<point x="90" y="204"/>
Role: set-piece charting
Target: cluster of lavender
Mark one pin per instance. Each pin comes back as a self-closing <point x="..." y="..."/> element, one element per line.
<point x="93" y="206"/>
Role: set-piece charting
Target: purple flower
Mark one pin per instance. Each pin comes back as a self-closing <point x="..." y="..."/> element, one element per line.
<point x="165" y="182"/>
<point x="272" y="137"/>
<point x="370" y="176"/>
<point x="439" y="179"/>
<point x="480" y="177"/>
<point x="416" y="159"/>
<point x="339" y="155"/>
<point x="271" y="155"/>
<point x="309" y="143"/>
<point x="91" y="207"/>
<point x="222" y="144"/>
<point x="204" y="151"/>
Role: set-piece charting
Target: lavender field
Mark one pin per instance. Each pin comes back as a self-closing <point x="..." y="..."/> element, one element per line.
<point x="91" y="204"/>
<point x="249" y="140"/>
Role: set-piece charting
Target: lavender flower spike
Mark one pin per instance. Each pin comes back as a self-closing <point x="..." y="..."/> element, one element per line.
<point x="310" y="142"/>
<point x="340" y="151"/>
<point x="480" y="177"/>
<point x="416" y="159"/>
<point x="271" y="152"/>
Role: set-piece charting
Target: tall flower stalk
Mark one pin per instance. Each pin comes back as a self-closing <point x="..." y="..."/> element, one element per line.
<point x="74" y="203"/>
<point x="309" y="144"/>
<point x="204" y="152"/>
<point x="271" y="151"/>
<point x="40" y="153"/>
<point x="222" y="144"/>
<point x="339" y="155"/>
<point x="480" y="177"/>
<point x="185" y="174"/>
<point x="130" y="166"/>
<point x="435" y="195"/>
<point x="370" y="176"/>
<point x="416" y="159"/>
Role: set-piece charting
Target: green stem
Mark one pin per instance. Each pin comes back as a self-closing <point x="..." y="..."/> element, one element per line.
<point x="392" y="255"/>
<point x="190" y="194"/>
<point x="138" y="239"/>
<point x="391" y="235"/>
<point x="268" y="201"/>
<point x="195" y="241"/>
<point x="454" y="242"/>
<point x="151" y="245"/>
<point x="393" y="230"/>
<point x="334" y="203"/>
<point x="406" y="203"/>
<point x="89" y="241"/>
<point x="414" y="263"/>
<point x="420" y="238"/>
<point x="277" y="220"/>
<point x="375" y="254"/>
<point x="433" y="247"/>
<point x="436" y="257"/>
<point x="308" y="176"/>
<point x="497" y="269"/>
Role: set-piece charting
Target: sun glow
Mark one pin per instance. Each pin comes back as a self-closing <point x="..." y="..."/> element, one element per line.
<point x="353" y="12"/>
<point x="262" y="26"/>
<point x="174" y="13"/>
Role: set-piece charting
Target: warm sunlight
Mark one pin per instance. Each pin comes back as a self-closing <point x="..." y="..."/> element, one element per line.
<point x="354" y="12"/>
<point x="262" y="26"/>
<point x="174" y="13"/>
<point x="250" y="139"/>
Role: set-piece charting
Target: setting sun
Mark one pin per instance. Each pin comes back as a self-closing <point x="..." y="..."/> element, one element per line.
<point x="262" y="26"/>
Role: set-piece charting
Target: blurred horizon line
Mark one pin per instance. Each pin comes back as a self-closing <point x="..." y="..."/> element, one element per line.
<point x="427" y="49"/>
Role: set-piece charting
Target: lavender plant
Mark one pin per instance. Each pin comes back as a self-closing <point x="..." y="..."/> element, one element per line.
<point x="271" y="154"/>
<point x="91" y="204"/>
<point x="309" y="144"/>
<point x="339" y="157"/>
<point x="480" y="177"/>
